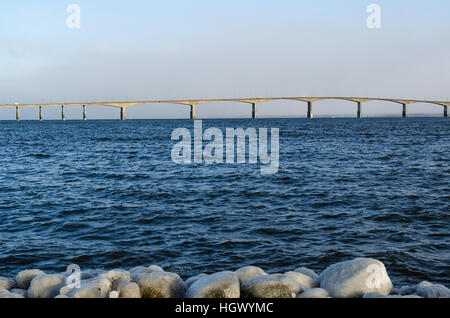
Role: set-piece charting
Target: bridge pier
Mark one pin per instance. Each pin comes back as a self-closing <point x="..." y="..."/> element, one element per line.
<point x="41" y="117"/>
<point x="84" y="113"/>
<point x="254" y="111"/>
<point x="310" y="110"/>
<point x="359" y="113"/>
<point x="404" y="110"/>
<point x="17" y="113"/>
<point x="445" y="111"/>
<point x="193" y="116"/>
<point x="63" y="113"/>
<point x="123" y="115"/>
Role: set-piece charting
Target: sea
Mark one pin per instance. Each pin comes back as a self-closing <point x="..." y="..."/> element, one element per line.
<point x="106" y="194"/>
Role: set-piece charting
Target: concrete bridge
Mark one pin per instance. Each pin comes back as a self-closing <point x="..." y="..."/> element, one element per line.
<point x="252" y="101"/>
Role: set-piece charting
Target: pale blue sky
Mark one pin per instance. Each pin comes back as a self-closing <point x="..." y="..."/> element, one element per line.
<point x="133" y="50"/>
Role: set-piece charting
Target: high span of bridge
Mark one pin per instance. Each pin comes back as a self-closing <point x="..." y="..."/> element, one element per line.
<point x="192" y="103"/>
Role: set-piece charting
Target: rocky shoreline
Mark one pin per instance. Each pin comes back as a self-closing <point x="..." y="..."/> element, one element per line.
<point x="361" y="277"/>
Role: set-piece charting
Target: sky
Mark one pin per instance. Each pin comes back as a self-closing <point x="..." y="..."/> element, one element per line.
<point x="174" y="49"/>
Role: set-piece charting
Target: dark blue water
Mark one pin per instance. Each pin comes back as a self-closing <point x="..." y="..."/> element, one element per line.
<point x="105" y="194"/>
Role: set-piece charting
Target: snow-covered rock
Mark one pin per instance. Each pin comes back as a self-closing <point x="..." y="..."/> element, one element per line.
<point x="94" y="288"/>
<point x="314" y="293"/>
<point x="10" y="295"/>
<point x="272" y="286"/>
<point x="159" y="284"/>
<point x="428" y="290"/>
<point x="7" y="283"/>
<point x="246" y="274"/>
<point x="356" y="278"/>
<point x="218" y="285"/>
<point x="193" y="279"/>
<point x="45" y="286"/>
<point x="307" y="271"/>
<point x="116" y="274"/>
<point x="127" y="289"/>
<point x="24" y="278"/>
<point x="303" y="279"/>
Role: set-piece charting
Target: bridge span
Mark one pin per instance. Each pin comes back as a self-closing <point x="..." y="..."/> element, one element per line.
<point x="193" y="103"/>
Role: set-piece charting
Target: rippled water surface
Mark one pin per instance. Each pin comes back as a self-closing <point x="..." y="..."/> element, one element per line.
<point x="105" y="194"/>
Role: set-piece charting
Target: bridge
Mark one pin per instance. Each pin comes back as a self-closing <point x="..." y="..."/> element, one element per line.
<point x="252" y="101"/>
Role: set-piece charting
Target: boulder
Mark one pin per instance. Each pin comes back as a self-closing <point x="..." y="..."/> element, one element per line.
<point x="6" y="283"/>
<point x="159" y="284"/>
<point x="219" y="285"/>
<point x="374" y="295"/>
<point x="246" y="274"/>
<point x="89" y="274"/>
<point x="356" y="278"/>
<point x="195" y="278"/>
<point x="116" y="274"/>
<point x="24" y="278"/>
<point x="94" y="288"/>
<point x="127" y="289"/>
<point x="10" y="295"/>
<point x="272" y="286"/>
<point x="408" y="290"/>
<point x="303" y="279"/>
<point x="18" y="291"/>
<point x="45" y="286"/>
<point x="137" y="272"/>
<point x="114" y="294"/>
<point x="314" y="293"/>
<point x="428" y="290"/>
<point x="400" y="296"/>
<point x="307" y="271"/>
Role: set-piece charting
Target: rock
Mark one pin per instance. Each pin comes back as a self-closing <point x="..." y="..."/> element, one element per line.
<point x="18" y="291"/>
<point x="374" y="295"/>
<point x="89" y="274"/>
<point x="6" y="283"/>
<point x="219" y="285"/>
<point x="3" y="290"/>
<point x="156" y="268"/>
<point x="303" y="279"/>
<point x="400" y="296"/>
<point x="428" y="290"/>
<point x="94" y="288"/>
<point x="246" y="274"/>
<point x="314" y="293"/>
<point x="62" y="296"/>
<point x="395" y="291"/>
<point x="408" y="290"/>
<point x="45" y="286"/>
<point x="127" y="289"/>
<point x="195" y="278"/>
<point x="114" y="294"/>
<point x="159" y="284"/>
<point x="138" y="272"/>
<point x="24" y="278"/>
<point x="10" y="295"/>
<point x="272" y="286"/>
<point x="307" y="271"/>
<point x="356" y="278"/>
<point x="117" y="274"/>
